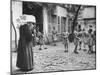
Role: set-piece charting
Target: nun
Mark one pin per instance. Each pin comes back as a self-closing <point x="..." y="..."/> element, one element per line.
<point x="24" y="50"/>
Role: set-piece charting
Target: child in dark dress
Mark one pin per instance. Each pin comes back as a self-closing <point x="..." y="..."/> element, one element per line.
<point x="79" y="35"/>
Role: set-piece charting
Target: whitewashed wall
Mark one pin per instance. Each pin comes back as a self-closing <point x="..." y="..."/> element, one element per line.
<point x="61" y="11"/>
<point x="45" y="20"/>
<point x="88" y="12"/>
<point x="16" y="12"/>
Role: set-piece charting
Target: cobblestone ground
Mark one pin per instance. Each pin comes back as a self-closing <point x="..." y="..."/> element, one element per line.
<point x="55" y="59"/>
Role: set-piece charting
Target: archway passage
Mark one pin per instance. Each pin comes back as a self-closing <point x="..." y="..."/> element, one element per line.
<point x="33" y="8"/>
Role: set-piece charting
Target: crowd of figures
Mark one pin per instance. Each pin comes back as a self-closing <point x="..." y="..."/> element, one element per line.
<point x="85" y="38"/>
<point x="30" y="36"/>
<point x="38" y="37"/>
<point x="81" y="38"/>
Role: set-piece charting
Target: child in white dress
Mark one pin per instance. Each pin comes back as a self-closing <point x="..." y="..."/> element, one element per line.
<point x="65" y="40"/>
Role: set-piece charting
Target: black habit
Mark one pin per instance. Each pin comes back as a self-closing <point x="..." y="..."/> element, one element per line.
<point x="24" y="52"/>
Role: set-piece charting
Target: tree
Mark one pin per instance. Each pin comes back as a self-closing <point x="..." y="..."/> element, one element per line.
<point x="75" y="19"/>
<point x="73" y="9"/>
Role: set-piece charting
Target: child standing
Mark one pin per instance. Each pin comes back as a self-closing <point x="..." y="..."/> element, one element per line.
<point x="84" y="39"/>
<point x="90" y="41"/>
<point x="40" y="37"/>
<point x="41" y="40"/>
<point x="76" y="42"/>
<point x="65" y="41"/>
<point x="54" y="33"/>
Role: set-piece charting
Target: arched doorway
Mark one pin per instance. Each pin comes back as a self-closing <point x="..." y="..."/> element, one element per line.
<point x="33" y="8"/>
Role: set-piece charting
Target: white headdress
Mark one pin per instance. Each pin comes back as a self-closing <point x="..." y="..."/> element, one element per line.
<point x="25" y="18"/>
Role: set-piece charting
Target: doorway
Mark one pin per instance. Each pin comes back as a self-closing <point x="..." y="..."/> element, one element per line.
<point x="63" y="24"/>
<point x="35" y="9"/>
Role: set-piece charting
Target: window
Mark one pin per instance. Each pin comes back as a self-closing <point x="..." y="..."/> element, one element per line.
<point x="63" y="24"/>
<point x="58" y="24"/>
<point x="58" y="20"/>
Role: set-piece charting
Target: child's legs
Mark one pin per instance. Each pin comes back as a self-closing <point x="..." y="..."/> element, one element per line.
<point x="75" y="50"/>
<point x="80" y="43"/>
<point x="40" y="47"/>
<point x="90" y="49"/>
<point x="44" y="45"/>
<point x="84" y="44"/>
<point x="53" y="38"/>
<point x="40" y="44"/>
<point x="66" y="47"/>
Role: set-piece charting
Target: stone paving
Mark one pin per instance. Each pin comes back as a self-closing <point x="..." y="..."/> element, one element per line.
<point x="55" y="59"/>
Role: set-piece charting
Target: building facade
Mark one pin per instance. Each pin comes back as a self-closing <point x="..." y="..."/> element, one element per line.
<point x="47" y="16"/>
<point x="88" y="18"/>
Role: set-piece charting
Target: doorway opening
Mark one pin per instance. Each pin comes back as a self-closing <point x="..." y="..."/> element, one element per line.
<point x="35" y="9"/>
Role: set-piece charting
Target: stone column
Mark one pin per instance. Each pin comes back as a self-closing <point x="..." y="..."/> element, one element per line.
<point x="45" y="20"/>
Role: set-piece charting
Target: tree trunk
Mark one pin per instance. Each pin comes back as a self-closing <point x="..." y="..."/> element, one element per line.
<point x="75" y="19"/>
<point x="72" y="35"/>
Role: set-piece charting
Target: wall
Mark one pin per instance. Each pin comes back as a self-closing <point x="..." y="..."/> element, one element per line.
<point x="88" y="12"/>
<point x="45" y="20"/>
<point x="52" y="19"/>
<point x="61" y="11"/>
<point x="16" y="12"/>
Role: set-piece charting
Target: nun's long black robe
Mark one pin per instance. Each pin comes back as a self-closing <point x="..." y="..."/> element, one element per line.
<point x="24" y="52"/>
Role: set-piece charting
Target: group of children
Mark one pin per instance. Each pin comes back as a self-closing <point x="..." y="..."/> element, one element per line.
<point x="84" y="38"/>
<point x="81" y="37"/>
<point x="38" y="38"/>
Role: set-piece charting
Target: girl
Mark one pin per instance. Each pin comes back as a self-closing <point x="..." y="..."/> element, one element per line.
<point x="90" y="41"/>
<point x="41" y="40"/>
<point x="76" y="42"/>
<point x="54" y="33"/>
<point x="65" y="40"/>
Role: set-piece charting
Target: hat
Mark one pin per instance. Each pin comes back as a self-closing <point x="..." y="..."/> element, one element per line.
<point x="26" y="18"/>
<point x="30" y="18"/>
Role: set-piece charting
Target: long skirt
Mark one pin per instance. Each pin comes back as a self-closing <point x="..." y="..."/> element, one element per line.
<point x="25" y="56"/>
